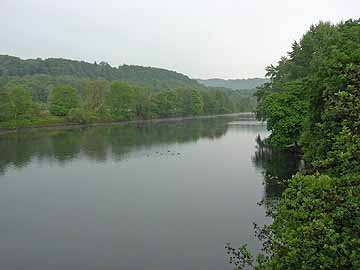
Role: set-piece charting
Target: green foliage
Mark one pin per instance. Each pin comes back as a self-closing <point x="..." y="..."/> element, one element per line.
<point x="334" y="119"/>
<point x="284" y="112"/>
<point x="316" y="226"/>
<point x="100" y="100"/>
<point x="93" y="95"/>
<point x="79" y="116"/>
<point x="217" y="102"/>
<point x="16" y="103"/>
<point x="314" y="97"/>
<point x="166" y="103"/>
<point x="153" y="78"/>
<point x="179" y="102"/>
<point x="242" y="101"/>
<point x="121" y="101"/>
<point x="92" y="84"/>
<point x="62" y="99"/>
<point x="192" y="102"/>
<point x="58" y="86"/>
<point x="40" y="85"/>
<point x="143" y="103"/>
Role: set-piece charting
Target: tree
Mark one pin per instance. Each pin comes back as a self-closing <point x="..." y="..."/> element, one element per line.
<point x="216" y="102"/>
<point x="16" y="103"/>
<point x="332" y="138"/>
<point x="284" y="112"/>
<point x="144" y="99"/>
<point x="166" y="103"/>
<point x="62" y="99"/>
<point x="192" y="102"/>
<point x="93" y="95"/>
<point x="121" y="101"/>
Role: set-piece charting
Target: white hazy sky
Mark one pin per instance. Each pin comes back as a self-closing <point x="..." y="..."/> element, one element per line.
<point x="200" y="38"/>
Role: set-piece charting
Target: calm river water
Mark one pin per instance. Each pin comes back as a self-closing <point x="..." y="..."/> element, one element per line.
<point x="133" y="196"/>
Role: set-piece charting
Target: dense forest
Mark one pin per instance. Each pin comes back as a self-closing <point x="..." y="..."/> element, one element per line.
<point x="312" y="105"/>
<point x="154" y="78"/>
<point x="57" y="91"/>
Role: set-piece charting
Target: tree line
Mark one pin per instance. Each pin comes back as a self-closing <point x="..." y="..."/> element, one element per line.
<point x="44" y="100"/>
<point x="312" y="105"/>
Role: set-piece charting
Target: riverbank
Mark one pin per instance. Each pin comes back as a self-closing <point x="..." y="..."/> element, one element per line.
<point x="60" y="123"/>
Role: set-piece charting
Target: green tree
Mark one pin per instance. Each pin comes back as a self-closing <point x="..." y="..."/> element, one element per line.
<point x="166" y="103"/>
<point x="192" y="102"/>
<point x="93" y="95"/>
<point x="284" y="112"/>
<point x="144" y="98"/>
<point x="121" y="101"/>
<point x="332" y="138"/>
<point x="62" y="99"/>
<point x="16" y="104"/>
<point x="216" y="102"/>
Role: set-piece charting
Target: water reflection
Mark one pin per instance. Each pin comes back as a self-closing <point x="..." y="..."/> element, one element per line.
<point x="121" y="142"/>
<point x="102" y="142"/>
<point x="275" y="165"/>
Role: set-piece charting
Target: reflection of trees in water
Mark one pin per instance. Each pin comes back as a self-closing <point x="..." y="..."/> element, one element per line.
<point x="276" y="165"/>
<point x="99" y="143"/>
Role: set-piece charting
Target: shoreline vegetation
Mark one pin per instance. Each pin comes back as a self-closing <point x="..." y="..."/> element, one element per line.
<point x="49" y="92"/>
<point x="313" y="102"/>
<point x="61" y="124"/>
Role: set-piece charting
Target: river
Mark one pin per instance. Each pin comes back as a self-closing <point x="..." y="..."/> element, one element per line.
<point x="165" y="195"/>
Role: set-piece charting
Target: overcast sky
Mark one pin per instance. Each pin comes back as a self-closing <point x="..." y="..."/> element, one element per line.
<point x="200" y="38"/>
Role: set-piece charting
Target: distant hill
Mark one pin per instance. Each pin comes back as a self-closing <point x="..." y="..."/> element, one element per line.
<point x="236" y="84"/>
<point x="155" y="78"/>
